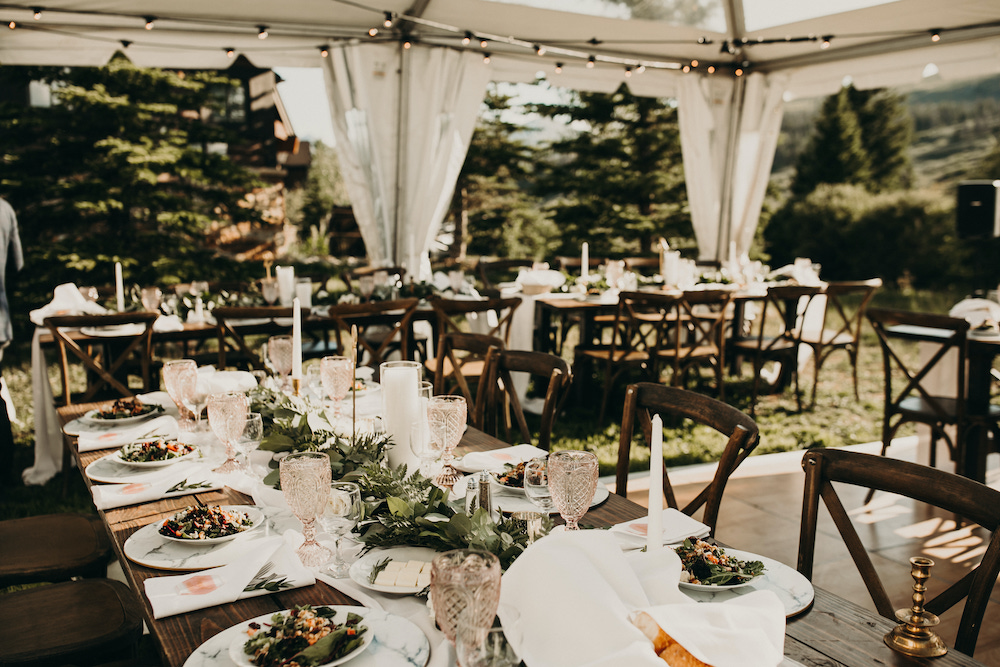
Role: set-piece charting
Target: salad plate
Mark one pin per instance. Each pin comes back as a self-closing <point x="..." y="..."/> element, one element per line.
<point x="253" y="515"/>
<point x="114" y="331"/>
<point x="708" y="562"/>
<point x="361" y="569"/>
<point x="106" y="418"/>
<point x="107" y="469"/>
<point x="121" y="456"/>
<point x="514" y="500"/>
<point x="367" y="387"/>
<point x="396" y="642"/>
<point x="237" y="654"/>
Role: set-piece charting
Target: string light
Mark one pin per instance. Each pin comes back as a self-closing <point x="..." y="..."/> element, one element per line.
<point x="935" y="35"/>
<point x="685" y="69"/>
<point x="467" y="39"/>
<point x="126" y="43"/>
<point x="230" y="52"/>
<point x="372" y="32"/>
<point x="486" y="58"/>
<point x="483" y="43"/>
<point x="628" y="72"/>
<point x="407" y="43"/>
<point x="640" y="69"/>
<point x="825" y="44"/>
<point x="149" y="22"/>
<point x="694" y="63"/>
<point x="324" y="51"/>
<point x="38" y="13"/>
<point x="12" y="25"/>
<point x="558" y="68"/>
<point x="738" y="72"/>
<point x="590" y="62"/>
<point x="711" y="69"/>
<point x="388" y="20"/>
<point x="262" y="32"/>
<point x="539" y="50"/>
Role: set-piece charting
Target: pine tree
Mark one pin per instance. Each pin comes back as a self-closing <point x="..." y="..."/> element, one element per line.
<point x="836" y="152"/>
<point x="886" y="133"/>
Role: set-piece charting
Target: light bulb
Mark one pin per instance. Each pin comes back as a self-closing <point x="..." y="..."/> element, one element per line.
<point x="262" y="32"/>
<point x="149" y="22"/>
<point x="590" y="62"/>
<point x="372" y="32"/>
<point x="486" y="58"/>
<point x="388" y="20"/>
<point x="38" y="13"/>
<point x="467" y="39"/>
<point x="558" y="68"/>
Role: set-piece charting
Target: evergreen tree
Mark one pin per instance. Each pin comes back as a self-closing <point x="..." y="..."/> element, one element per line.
<point x="886" y="133"/>
<point x="836" y="152"/>
<point x="618" y="184"/>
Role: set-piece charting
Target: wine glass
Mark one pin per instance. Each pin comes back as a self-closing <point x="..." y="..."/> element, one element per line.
<point x="572" y="482"/>
<point x="446" y="417"/>
<point x="305" y="483"/>
<point x="464" y="580"/>
<point x="269" y="290"/>
<point x="250" y="439"/>
<point x="227" y="416"/>
<point x="366" y="285"/>
<point x="195" y="400"/>
<point x="536" y="485"/>
<point x="180" y="377"/>
<point x="337" y="374"/>
<point x="151" y="297"/>
<point x="340" y="515"/>
<point x="478" y="645"/>
<point x="426" y="448"/>
<point x="279" y="353"/>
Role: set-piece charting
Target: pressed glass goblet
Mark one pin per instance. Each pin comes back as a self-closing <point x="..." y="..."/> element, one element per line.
<point x="340" y="515"/>
<point x="572" y="482"/>
<point x="150" y="297"/>
<point x="427" y="448"/>
<point x="536" y="485"/>
<point x="250" y="439"/>
<point x="269" y="290"/>
<point x="279" y="353"/>
<point x="479" y="645"/>
<point x="464" y="580"/>
<point x="446" y="416"/>
<point x="180" y="376"/>
<point x="305" y="483"/>
<point x="227" y="416"/>
<point x="337" y="374"/>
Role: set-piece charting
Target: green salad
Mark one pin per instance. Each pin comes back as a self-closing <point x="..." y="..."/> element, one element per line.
<point x="709" y="565"/>
<point x="123" y="408"/>
<point x="306" y="636"/>
<point x="156" y="449"/>
<point x="202" y="523"/>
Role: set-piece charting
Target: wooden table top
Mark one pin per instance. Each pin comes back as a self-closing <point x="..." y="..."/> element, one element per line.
<point x="832" y="632"/>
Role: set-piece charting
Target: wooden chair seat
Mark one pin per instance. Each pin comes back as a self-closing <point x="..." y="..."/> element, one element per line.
<point x="74" y="622"/>
<point x="52" y="547"/>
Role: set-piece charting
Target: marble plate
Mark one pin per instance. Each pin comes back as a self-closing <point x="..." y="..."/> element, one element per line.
<point x="362" y="568"/>
<point x="117" y="458"/>
<point x="109" y="470"/>
<point x="92" y="418"/>
<point x="791" y="587"/>
<point x="396" y="642"/>
<point x="255" y="515"/>
<point x="237" y="655"/>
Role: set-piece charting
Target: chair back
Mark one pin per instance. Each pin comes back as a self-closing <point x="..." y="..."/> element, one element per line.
<point x="492" y="272"/>
<point x="460" y="363"/>
<point x="644" y="399"/>
<point x="699" y="338"/>
<point x="236" y="326"/>
<point x="384" y="328"/>
<point x="106" y="354"/>
<point x="502" y="410"/>
<point x="953" y="495"/>
<point x="489" y="317"/>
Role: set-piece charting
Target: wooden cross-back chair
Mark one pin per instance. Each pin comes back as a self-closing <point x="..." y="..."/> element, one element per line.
<point x="105" y="357"/>
<point x="777" y="334"/>
<point x="492" y="272"/>
<point x="846" y="303"/>
<point x="501" y="407"/>
<point x="487" y="317"/>
<point x="235" y="324"/>
<point x="645" y="399"/>
<point x="699" y="338"/>
<point x="454" y="350"/>
<point x="954" y="495"/>
<point x="384" y="328"/>
<point x="640" y="329"/>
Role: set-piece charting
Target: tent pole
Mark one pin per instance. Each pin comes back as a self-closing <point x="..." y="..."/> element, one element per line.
<point x="398" y="252"/>
<point x="732" y="146"/>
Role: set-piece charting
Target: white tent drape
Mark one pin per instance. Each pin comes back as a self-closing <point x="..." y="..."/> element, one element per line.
<point x="402" y="119"/>
<point x="706" y="108"/>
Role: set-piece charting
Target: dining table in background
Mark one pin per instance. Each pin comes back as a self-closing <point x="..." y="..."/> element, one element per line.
<point x="831" y="632"/>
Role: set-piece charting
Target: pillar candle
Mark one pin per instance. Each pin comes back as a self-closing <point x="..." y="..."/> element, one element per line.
<point x="119" y="287"/>
<point x="296" y="339"/>
<point x="585" y="261"/>
<point x="400" y="402"/>
<point x="654" y="524"/>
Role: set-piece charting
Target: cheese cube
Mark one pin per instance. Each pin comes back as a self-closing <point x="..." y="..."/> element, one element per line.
<point x="424" y="579"/>
<point x="407" y="578"/>
<point x="414" y="565"/>
<point x="386" y="578"/>
<point x="394" y="566"/>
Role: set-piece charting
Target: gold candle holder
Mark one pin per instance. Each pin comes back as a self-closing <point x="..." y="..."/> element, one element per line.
<point x="297" y="386"/>
<point x="913" y="636"/>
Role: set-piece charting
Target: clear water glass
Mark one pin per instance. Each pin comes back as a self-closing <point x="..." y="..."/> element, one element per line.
<point x="269" y="290"/>
<point x="339" y="517"/>
<point x="250" y="439"/>
<point x="337" y="374"/>
<point x="477" y="645"/>
<point x="536" y="485"/>
<point x="279" y="353"/>
<point x="446" y="416"/>
<point x="151" y="297"/>
<point x="305" y="483"/>
<point x="227" y="415"/>
<point x="426" y="448"/>
<point x="464" y="580"/>
<point x="572" y="482"/>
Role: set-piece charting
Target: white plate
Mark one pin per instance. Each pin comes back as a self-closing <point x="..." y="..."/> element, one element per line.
<point x="255" y="515"/>
<point x="711" y="589"/>
<point x="114" y="331"/>
<point x="370" y="388"/>
<point x="237" y="655"/>
<point x="398" y="642"/>
<point x="92" y="418"/>
<point x="792" y="588"/>
<point x="362" y="568"/>
<point x="496" y="459"/>
<point x="117" y="458"/>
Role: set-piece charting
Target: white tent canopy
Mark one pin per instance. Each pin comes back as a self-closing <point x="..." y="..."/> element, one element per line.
<point x="405" y="100"/>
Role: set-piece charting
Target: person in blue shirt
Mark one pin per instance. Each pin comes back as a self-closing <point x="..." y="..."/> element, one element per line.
<point x="12" y="258"/>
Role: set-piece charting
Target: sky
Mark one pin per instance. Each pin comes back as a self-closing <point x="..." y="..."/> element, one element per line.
<point x="304" y="95"/>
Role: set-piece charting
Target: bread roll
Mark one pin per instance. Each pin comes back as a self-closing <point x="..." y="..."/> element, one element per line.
<point x="664" y="645"/>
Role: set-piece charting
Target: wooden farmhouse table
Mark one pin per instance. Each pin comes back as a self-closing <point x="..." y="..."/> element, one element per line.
<point x="832" y="632"/>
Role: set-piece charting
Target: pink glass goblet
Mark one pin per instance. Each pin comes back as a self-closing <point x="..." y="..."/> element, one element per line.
<point x="572" y="482"/>
<point x="305" y="482"/>
<point x="337" y="375"/>
<point x="464" y="580"/>
<point x="227" y="417"/>
<point x="446" y="417"/>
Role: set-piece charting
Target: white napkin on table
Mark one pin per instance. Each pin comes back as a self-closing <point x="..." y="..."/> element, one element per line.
<point x="976" y="311"/>
<point x="222" y="381"/>
<point x="165" y="323"/>
<point x="108" y="496"/>
<point x="677" y="526"/>
<point x="164" y="425"/>
<point x="567" y="600"/>
<point x="541" y="277"/>
<point x="496" y="459"/>
<point x="169" y="596"/>
<point x="66" y="300"/>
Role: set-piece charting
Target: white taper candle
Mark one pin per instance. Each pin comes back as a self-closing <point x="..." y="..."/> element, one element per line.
<point x="654" y="525"/>
<point x="119" y="287"/>
<point x="585" y="261"/>
<point x="296" y="339"/>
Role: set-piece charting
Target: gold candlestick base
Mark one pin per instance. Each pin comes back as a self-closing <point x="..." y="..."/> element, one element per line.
<point x="913" y="636"/>
<point x="297" y="386"/>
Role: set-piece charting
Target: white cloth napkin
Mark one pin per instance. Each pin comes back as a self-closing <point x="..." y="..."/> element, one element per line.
<point x="976" y="311"/>
<point x="165" y="323"/>
<point x="187" y="592"/>
<point x="677" y="526"/>
<point x="541" y="278"/>
<point x="66" y="300"/>
<point x="222" y="381"/>
<point x="567" y="601"/>
<point x="496" y="459"/>
<point x="164" y="425"/>
<point x="108" y="496"/>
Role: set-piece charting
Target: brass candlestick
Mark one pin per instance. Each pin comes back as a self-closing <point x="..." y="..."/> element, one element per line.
<point x="913" y="636"/>
<point x="297" y="386"/>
